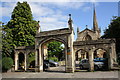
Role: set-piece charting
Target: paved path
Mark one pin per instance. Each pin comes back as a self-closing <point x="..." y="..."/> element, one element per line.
<point x="98" y="74"/>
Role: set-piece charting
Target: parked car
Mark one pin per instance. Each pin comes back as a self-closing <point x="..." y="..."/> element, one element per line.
<point x="84" y="64"/>
<point x="52" y="63"/>
<point x="99" y="59"/>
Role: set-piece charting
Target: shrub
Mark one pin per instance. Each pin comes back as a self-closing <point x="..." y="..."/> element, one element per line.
<point x="7" y="63"/>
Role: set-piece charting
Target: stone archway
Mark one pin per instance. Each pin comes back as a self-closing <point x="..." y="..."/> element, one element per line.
<point x="44" y="50"/>
<point x="102" y="55"/>
<point x="66" y="39"/>
<point x="106" y="44"/>
<point x="81" y="54"/>
<point x="21" y="61"/>
<point x="25" y="50"/>
<point x="66" y="36"/>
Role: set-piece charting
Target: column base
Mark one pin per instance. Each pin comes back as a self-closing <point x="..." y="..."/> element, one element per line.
<point x="69" y="70"/>
<point x="38" y="69"/>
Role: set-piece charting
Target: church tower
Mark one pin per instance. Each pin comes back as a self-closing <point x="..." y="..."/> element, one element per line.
<point x="95" y="24"/>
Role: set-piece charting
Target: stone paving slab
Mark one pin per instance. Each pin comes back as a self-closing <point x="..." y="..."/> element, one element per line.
<point x="98" y="74"/>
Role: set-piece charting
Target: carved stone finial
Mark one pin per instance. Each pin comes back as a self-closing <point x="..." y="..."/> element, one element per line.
<point x="86" y="26"/>
<point x="38" y="27"/>
<point x="70" y="22"/>
<point x="70" y="15"/>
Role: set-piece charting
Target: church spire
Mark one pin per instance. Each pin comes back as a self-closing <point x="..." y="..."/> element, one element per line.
<point x="95" y="24"/>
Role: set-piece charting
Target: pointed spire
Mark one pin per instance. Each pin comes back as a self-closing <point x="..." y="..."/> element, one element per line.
<point x="95" y="24"/>
<point x="70" y="22"/>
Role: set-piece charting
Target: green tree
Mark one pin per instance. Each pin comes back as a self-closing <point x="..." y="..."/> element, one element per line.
<point x="55" y="49"/>
<point x="20" y="30"/>
<point x="113" y="31"/>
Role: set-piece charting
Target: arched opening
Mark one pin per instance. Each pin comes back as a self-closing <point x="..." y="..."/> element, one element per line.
<point x="21" y="61"/>
<point x="54" y="58"/>
<point x="100" y="55"/>
<point x="81" y="55"/>
<point x="87" y="38"/>
<point x="31" y="61"/>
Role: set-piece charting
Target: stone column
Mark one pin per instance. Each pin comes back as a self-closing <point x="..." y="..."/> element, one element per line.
<point x="110" y="59"/>
<point x="91" y="62"/>
<point x="25" y="61"/>
<point x="66" y="58"/>
<point x="85" y="55"/>
<point x="36" y="60"/>
<point x="41" y="52"/>
<point x="16" y="61"/>
<point x="70" y="55"/>
<point x="45" y="52"/>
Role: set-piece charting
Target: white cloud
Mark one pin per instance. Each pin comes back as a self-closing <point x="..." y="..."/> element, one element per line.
<point x="39" y="10"/>
<point x="66" y="5"/>
<point x="50" y="18"/>
<point x="7" y="8"/>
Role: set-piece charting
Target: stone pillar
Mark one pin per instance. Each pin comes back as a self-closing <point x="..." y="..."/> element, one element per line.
<point x="45" y="52"/>
<point x="85" y="55"/>
<point x="66" y="63"/>
<point x="110" y="59"/>
<point x="16" y="61"/>
<point x="70" y="55"/>
<point x="41" y="52"/>
<point x="36" y="60"/>
<point x="25" y="61"/>
<point x="91" y="62"/>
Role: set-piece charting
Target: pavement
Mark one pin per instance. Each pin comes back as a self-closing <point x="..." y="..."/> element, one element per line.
<point x="98" y="74"/>
<point x="59" y="73"/>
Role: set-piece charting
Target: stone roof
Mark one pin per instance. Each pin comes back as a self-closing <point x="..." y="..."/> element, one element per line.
<point x="86" y="30"/>
<point x="94" y="42"/>
<point x="54" y="32"/>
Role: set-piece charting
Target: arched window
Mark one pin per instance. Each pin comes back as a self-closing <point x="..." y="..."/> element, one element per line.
<point x="87" y="38"/>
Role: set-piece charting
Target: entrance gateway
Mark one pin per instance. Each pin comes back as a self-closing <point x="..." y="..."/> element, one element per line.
<point x="62" y="35"/>
<point x="88" y="45"/>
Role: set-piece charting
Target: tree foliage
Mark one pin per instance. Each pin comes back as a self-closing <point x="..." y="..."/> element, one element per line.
<point x="55" y="49"/>
<point x="113" y="31"/>
<point x="20" y="30"/>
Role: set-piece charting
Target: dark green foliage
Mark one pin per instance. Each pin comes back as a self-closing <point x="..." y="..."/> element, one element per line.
<point x="31" y="58"/>
<point x="113" y="31"/>
<point x="55" y="49"/>
<point x="7" y="63"/>
<point x="20" y="30"/>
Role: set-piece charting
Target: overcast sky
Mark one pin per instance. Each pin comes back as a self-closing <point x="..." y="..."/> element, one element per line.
<point x="54" y="15"/>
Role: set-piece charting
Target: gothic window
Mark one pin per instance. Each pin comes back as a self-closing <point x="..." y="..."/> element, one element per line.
<point x="87" y="38"/>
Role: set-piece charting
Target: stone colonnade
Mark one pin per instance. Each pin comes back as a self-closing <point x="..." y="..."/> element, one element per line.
<point x="25" y="51"/>
<point x="90" y="46"/>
